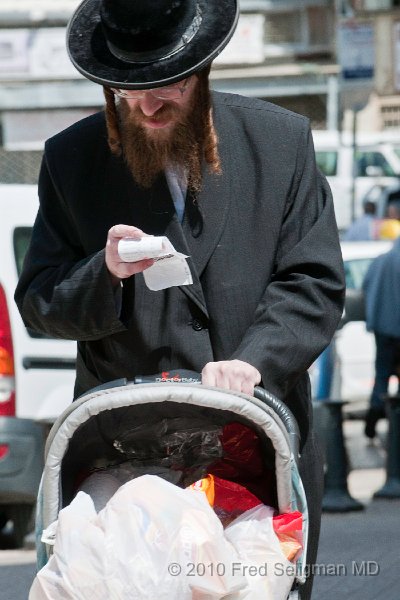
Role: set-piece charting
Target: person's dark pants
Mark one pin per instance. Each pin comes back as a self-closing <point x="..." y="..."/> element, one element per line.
<point x="312" y="476"/>
<point x="387" y="363"/>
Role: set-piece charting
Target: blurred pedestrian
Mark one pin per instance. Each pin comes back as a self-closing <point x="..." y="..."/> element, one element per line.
<point x="393" y="209"/>
<point x="389" y="227"/>
<point x="382" y="299"/>
<point x="362" y="229"/>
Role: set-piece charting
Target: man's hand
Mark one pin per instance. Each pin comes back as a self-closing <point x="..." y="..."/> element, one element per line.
<point x="119" y="269"/>
<point x="235" y="375"/>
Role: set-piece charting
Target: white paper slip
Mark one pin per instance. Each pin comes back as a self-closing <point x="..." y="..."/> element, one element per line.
<point x="172" y="270"/>
<point x="170" y="267"/>
<point x="132" y="250"/>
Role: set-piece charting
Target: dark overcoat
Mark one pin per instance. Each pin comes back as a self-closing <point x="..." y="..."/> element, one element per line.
<point x="264" y="256"/>
<point x="263" y="246"/>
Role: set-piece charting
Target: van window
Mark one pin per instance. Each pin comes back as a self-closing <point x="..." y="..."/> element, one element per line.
<point x="372" y="159"/>
<point x="21" y="240"/>
<point x="22" y="237"/>
<point x="327" y="161"/>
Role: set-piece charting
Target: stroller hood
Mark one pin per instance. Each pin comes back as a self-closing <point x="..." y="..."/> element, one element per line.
<point x="79" y="423"/>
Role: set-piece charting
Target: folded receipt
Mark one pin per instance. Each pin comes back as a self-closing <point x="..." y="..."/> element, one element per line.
<point x="170" y="267"/>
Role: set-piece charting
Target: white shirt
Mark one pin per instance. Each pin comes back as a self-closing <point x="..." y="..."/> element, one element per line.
<point x="177" y="183"/>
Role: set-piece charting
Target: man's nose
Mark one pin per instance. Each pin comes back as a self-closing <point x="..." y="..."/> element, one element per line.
<point x="150" y="105"/>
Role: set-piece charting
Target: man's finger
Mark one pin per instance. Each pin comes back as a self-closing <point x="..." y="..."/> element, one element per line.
<point x="120" y="231"/>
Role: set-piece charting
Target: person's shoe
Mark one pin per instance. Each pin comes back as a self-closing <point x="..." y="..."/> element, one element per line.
<point x="372" y="417"/>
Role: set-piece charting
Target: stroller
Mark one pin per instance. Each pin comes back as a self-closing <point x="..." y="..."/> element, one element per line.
<point x="94" y="429"/>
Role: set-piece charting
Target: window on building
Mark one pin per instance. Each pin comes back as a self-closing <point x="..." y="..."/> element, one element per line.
<point x="283" y="28"/>
<point x="320" y="26"/>
<point x="373" y="4"/>
<point x="299" y="31"/>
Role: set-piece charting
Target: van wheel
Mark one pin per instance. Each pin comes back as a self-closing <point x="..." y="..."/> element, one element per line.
<point x="21" y="515"/>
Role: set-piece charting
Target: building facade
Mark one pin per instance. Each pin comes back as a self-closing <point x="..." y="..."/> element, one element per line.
<point x="320" y="58"/>
<point x="376" y="95"/>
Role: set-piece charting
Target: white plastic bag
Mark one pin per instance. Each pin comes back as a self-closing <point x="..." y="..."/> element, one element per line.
<point x="260" y="558"/>
<point x="152" y="540"/>
<point x="78" y="569"/>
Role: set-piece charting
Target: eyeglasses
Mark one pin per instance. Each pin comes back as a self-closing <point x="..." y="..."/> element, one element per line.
<point x="168" y="92"/>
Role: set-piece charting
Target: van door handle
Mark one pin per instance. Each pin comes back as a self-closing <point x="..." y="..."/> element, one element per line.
<point x="43" y="362"/>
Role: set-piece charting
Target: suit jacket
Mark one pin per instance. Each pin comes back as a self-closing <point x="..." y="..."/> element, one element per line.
<point x="263" y="245"/>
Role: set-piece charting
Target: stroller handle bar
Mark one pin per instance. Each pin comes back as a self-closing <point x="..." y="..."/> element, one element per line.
<point x="285" y="415"/>
<point x="283" y="412"/>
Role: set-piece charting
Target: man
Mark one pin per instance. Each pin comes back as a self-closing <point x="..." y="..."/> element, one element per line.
<point x="231" y="182"/>
<point x="363" y="228"/>
<point x="382" y="299"/>
<point x="393" y="207"/>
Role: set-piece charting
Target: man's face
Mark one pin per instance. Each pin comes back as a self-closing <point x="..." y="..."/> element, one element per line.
<point x="158" y="116"/>
<point x="157" y="133"/>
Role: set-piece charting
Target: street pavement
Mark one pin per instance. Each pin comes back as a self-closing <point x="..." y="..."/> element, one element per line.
<point x="359" y="551"/>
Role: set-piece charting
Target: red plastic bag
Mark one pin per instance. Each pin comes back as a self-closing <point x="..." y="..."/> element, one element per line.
<point x="229" y="499"/>
<point x="241" y="451"/>
<point x="242" y="463"/>
<point x="289" y="529"/>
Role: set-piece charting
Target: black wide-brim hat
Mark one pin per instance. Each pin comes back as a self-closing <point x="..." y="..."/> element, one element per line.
<point x="142" y="44"/>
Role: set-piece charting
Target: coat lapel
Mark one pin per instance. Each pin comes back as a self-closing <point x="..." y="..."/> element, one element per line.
<point x="175" y="234"/>
<point x="162" y="220"/>
<point x="206" y="212"/>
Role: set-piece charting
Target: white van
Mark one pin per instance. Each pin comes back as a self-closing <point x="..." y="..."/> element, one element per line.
<point x="36" y="373"/>
<point x="376" y="165"/>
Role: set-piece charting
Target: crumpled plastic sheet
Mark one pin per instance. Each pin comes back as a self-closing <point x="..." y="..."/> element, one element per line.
<point x="177" y="442"/>
<point x="148" y="531"/>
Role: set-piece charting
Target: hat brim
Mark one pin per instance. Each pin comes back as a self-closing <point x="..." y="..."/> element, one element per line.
<point x="88" y="50"/>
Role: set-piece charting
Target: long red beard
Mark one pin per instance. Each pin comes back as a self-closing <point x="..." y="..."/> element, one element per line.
<point x="148" y="152"/>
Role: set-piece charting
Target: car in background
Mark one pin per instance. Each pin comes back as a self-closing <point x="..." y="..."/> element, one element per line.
<point x="353" y="346"/>
<point x="36" y="372"/>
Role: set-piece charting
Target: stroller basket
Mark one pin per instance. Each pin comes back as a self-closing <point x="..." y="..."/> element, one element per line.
<point x="85" y="434"/>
